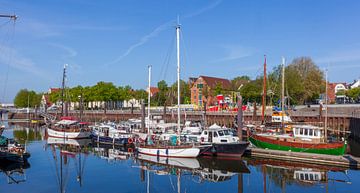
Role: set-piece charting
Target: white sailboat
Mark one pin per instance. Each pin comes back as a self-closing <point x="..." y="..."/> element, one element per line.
<point x="67" y="127"/>
<point x="178" y="150"/>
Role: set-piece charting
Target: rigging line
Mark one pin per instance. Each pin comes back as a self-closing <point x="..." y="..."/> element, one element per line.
<point x="185" y="53"/>
<point x="10" y="59"/>
<point x="167" y="59"/>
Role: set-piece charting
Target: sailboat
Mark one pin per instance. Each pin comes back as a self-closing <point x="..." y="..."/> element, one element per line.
<point x="68" y="127"/>
<point x="178" y="150"/>
<point x="303" y="138"/>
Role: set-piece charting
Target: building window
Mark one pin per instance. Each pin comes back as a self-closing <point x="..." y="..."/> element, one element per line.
<point x="200" y="86"/>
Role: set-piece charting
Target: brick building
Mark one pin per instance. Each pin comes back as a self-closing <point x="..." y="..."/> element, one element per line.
<point x="203" y="87"/>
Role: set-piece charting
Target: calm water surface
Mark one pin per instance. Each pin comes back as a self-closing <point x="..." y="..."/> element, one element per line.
<point x="58" y="166"/>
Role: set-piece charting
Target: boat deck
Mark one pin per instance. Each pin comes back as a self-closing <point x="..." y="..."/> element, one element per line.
<point x="346" y="161"/>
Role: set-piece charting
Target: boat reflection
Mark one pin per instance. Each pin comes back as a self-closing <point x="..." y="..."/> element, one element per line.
<point x="200" y="170"/>
<point x="14" y="171"/>
<point x="283" y="173"/>
<point x="64" y="151"/>
<point x="113" y="153"/>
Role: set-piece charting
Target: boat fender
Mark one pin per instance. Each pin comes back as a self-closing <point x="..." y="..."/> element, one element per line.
<point x="167" y="151"/>
<point x="130" y="140"/>
<point x="158" y="153"/>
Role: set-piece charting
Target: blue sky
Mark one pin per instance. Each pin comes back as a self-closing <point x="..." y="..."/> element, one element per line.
<point x="116" y="40"/>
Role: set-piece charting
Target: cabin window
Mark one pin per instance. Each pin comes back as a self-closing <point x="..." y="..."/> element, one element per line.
<point x="297" y="131"/>
<point x="301" y="131"/>
<point x="311" y="177"/>
<point x="315" y="133"/>
<point x="302" y="176"/>
<point x="221" y="133"/>
<point x="205" y="132"/>
<point x="311" y="132"/>
<point x="306" y="132"/>
<point x="227" y="132"/>
<point x="215" y="134"/>
<point x="317" y="177"/>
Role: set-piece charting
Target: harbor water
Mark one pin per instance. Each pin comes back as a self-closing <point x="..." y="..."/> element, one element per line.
<point x="58" y="165"/>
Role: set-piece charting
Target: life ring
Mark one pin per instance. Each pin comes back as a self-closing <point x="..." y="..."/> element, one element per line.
<point x="130" y="140"/>
<point x="130" y="150"/>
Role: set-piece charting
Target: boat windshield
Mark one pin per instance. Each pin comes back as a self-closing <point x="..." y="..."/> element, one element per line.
<point x="227" y="132"/>
<point x="221" y="133"/>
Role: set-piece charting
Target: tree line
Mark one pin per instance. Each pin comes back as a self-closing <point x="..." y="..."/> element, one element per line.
<point x="304" y="82"/>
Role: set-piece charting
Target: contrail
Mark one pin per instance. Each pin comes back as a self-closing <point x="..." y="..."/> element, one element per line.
<point x="161" y="28"/>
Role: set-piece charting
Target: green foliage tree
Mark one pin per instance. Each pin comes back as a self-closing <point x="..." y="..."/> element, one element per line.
<point x="238" y="82"/>
<point x="353" y="93"/>
<point x="25" y="98"/>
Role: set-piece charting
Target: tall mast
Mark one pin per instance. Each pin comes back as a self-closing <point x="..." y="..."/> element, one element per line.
<point x="149" y="67"/>
<point x="282" y="93"/>
<point x="178" y="72"/>
<point x="63" y="90"/>
<point x="326" y="106"/>
<point x="264" y="94"/>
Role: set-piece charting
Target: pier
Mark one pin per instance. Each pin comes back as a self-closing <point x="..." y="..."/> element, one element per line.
<point x="346" y="161"/>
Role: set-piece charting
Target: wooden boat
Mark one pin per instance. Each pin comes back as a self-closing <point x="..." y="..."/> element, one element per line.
<point x="69" y="128"/>
<point x="305" y="138"/>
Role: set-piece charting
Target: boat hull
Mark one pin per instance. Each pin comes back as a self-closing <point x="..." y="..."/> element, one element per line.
<point x="321" y="148"/>
<point x="110" y="140"/>
<point x="225" y="149"/>
<point x="170" y="151"/>
<point x="67" y="134"/>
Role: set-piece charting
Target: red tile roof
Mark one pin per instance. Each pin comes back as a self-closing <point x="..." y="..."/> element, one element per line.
<point x="212" y="81"/>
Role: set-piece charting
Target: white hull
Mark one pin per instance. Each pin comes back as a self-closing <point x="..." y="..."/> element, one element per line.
<point x="64" y="141"/>
<point x="188" y="163"/>
<point x="67" y="134"/>
<point x="186" y="152"/>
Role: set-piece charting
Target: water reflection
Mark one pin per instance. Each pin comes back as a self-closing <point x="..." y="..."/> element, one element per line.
<point x="64" y="151"/>
<point x="200" y="170"/>
<point x="14" y="171"/>
<point x="284" y="173"/>
<point x="80" y="166"/>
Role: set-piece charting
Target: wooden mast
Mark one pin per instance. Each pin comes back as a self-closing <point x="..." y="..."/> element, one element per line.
<point x="264" y="95"/>
<point x="282" y="93"/>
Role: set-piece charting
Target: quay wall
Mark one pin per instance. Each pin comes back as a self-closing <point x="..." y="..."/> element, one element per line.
<point x="340" y="123"/>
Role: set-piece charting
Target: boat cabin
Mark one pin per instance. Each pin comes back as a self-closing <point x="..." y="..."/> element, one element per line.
<point x="307" y="132"/>
<point x="309" y="176"/>
<point x="217" y="134"/>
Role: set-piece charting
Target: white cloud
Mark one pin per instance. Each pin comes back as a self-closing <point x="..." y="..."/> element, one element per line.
<point x="13" y="58"/>
<point x="234" y="52"/>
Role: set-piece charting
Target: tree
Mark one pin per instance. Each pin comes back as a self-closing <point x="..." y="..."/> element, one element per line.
<point x="160" y="98"/>
<point x="253" y="90"/>
<point x="218" y="89"/>
<point x="185" y="92"/>
<point x="354" y="93"/>
<point x="25" y="98"/>
<point x="239" y="81"/>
